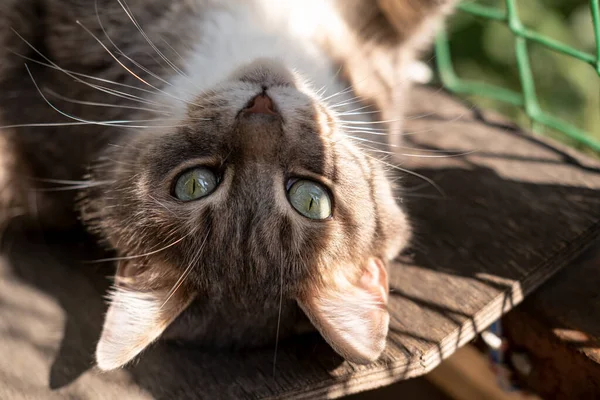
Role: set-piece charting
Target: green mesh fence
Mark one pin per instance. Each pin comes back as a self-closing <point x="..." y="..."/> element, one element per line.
<point x="527" y="98"/>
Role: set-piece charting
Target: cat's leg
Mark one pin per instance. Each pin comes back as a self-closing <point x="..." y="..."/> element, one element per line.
<point x="382" y="43"/>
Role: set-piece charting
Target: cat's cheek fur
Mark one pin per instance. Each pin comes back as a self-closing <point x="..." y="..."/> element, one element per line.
<point x="352" y="316"/>
<point x="134" y="320"/>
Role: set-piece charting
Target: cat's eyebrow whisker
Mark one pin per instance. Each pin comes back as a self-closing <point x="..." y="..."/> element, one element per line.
<point x="71" y="187"/>
<point x="420" y="196"/>
<point x="416" y="174"/>
<point x="138" y="255"/>
<point x="345" y="103"/>
<point x="70" y="182"/>
<point x="93" y="103"/>
<point x="417" y="155"/>
<point x="372" y="122"/>
<point x="371" y="131"/>
<point x="382" y="133"/>
<point x="357" y="109"/>
<point x="354" y="112"/>
<point x="349" y="88"/>
<point x="451" y="153"/>
<point x="418" y="116"/>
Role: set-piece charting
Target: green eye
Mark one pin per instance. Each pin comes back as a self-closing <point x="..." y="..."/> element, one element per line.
<point x="310" y="199"/>
<point x="194" y="184"/>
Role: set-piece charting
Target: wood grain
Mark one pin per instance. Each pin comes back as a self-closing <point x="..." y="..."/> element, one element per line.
<point x="514" y="211"/>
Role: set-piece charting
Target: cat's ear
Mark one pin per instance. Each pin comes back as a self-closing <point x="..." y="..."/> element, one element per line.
<point x="135" y="319"/>
<point x="351" y="315"/>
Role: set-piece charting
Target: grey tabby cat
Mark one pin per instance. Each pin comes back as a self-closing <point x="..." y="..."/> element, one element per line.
<point x="215" y="146"/>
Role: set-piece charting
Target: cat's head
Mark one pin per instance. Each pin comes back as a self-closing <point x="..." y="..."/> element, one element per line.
<point x="256" y="192"/>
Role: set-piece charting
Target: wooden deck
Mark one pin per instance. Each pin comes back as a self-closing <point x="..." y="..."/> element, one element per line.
<point x="514" y="212"/>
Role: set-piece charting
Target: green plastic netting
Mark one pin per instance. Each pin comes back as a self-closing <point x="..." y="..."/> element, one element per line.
<point x="527" y="98"/>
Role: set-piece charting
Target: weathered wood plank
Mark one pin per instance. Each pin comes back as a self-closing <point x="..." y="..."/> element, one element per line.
<point x="515" y="211"/>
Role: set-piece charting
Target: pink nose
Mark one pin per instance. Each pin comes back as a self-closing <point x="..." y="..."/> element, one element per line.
<point x="261" y="104"/>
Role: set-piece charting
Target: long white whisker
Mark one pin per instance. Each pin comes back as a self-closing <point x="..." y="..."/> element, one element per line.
<point x="174" y="51"/>
<point x="121" y="51"/>
<point x="69" y="182"/>
<point x="66" y="188"/>
<point x="128" y="69"/>
<point x="93" y="122"/>
<point x="345" y="103"/>
<point x="452" y="153"/>
<point x="92" y="103"/>
<point x="75" y="75"/>
<point x="278" y="317"/>
<point x="138" y="255"/>
<point x="423" y="177"/>
<point x="125" y="8"/>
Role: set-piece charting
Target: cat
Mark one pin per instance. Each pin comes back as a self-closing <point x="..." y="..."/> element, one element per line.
<point x="224" y="151"/>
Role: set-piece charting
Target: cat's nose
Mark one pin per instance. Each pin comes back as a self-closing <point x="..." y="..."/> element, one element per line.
<point x="261" y="104"/>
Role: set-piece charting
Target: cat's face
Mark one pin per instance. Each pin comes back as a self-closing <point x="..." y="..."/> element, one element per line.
<point x="249" y="197"/>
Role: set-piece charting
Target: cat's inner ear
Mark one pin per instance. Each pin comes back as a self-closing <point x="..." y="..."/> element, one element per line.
<point x="351" y="314"/>
<point x="136" y="318"/>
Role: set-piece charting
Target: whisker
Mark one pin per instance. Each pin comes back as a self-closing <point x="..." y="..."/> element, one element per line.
<point x="120" y="51"/>
<point x="339" y="93"/>
<point x="68" y="182"/>
<point x="420" y="196"/>
<point x="92" y="103"/>
<point x="278" y="317"/>
<point x="66" y="188"/>
<point x="187" y="271"/>
<point x="128" y="69"/>
<point x="372" y="122"/>
<point x="137" y="255"/>
<point x="119" y="124"/>
<point x="345" y="103"/>
<point x="453" y="154"/>
<point x="75" y="75"/>
<point x="176" y="53"/>
<point x="125" y="8"/>
<point x="354" y="112"/>
<point x="360" y="108"/>
<point x="416" y="174"/>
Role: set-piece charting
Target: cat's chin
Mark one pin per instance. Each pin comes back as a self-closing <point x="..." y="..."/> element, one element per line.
<point x="229" y="325"/>
<point x="291" y="328"/>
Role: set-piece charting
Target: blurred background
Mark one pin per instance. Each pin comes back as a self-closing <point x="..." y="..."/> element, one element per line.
<point x="567" y="88"/>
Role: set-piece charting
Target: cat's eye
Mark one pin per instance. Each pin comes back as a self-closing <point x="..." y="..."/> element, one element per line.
<point x="310" y="199"/>
<point x="194" y="184"/>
